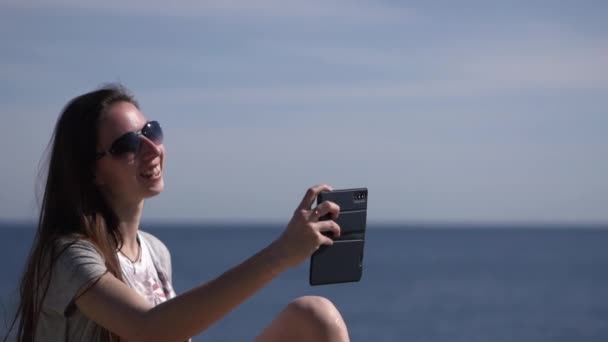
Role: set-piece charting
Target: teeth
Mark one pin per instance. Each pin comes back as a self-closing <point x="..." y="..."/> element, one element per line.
<point x="152" y="172"/>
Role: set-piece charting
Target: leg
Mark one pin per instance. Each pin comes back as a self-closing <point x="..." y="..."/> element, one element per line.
<point x="309" y="318"/>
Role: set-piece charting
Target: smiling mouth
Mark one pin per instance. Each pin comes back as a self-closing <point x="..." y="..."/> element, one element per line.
<point x="151" y="173"/>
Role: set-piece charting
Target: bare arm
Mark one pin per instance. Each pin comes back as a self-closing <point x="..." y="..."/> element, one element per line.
<point x="118" y="308"/>
<point x="115" y="306"/>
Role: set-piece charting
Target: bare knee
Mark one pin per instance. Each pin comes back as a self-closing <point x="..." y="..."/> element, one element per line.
<point x="320" y="316"/>
<point x="308" y="318"/>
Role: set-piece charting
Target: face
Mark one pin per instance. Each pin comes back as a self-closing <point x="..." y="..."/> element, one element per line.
<point x="133" y="176"/>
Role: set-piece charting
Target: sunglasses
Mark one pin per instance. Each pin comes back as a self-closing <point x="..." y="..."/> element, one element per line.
<point x="130" y="142"/>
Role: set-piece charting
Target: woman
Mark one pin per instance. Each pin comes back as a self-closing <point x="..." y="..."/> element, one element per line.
<point x="92" y="275"/>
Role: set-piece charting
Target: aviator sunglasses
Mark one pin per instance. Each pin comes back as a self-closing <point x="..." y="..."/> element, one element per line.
<point x="130" y="142"/>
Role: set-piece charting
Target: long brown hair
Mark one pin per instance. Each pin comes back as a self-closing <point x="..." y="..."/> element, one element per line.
<point x="72" y="205"/>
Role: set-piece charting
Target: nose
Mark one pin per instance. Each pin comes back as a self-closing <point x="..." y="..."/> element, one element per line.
<point x="148" y="148"/>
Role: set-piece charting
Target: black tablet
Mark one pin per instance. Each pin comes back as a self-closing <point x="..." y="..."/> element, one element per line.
<point x="342" y="262"/>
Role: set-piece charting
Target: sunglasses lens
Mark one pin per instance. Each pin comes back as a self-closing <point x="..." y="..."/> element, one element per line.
<point x="131" y="141"/>
<point x="153" y="132"/>
<point x="128" y="143"/>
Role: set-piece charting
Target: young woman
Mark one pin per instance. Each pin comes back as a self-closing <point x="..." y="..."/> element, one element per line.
<point x="93" y="275"/>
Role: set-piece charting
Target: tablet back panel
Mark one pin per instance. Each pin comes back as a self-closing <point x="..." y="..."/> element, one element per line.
<point x="343" y="261"/>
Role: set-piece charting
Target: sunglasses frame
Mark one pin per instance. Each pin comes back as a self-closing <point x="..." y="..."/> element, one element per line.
<point x="139" y="134"/>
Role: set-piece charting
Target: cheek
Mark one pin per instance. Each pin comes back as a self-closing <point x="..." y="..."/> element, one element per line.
<point x="113" y="175"/>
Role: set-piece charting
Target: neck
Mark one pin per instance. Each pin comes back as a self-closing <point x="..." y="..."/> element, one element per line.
<point x="129" y="217"/>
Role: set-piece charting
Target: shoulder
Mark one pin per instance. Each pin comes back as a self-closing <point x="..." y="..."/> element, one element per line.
<point x="77" y="258"/>
<point x="75" y="264"/>
<point x="67" y="249"/>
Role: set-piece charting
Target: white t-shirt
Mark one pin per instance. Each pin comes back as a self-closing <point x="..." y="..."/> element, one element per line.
<point x="143" y="277"/>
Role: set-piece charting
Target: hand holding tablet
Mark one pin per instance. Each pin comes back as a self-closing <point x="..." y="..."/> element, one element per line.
<point x="342" y="261"/>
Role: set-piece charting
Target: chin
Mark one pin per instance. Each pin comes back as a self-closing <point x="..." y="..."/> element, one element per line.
<point x="154" y="189"/>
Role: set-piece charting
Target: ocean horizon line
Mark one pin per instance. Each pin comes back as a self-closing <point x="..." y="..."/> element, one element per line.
<point x="399" y="225"/>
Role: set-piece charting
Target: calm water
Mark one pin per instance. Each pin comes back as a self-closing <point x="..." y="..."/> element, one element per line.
<point x="419" y="284"/>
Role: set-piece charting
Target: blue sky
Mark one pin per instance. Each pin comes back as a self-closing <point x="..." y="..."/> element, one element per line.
<point x="470" y="112"/>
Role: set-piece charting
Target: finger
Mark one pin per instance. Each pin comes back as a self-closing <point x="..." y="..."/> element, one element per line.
<point x="311" y="195"/>
<point x="327" y="207"/>
<point x="326" y="241"/>
<point x="330" y="227"/>
<point x="315" y="215"/>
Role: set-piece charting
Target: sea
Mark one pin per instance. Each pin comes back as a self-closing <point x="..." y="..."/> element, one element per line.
<point x="421" y="283"/>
